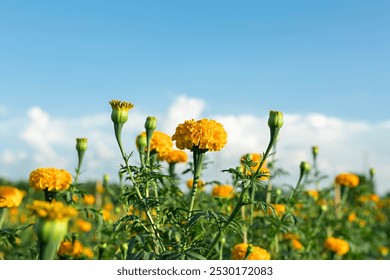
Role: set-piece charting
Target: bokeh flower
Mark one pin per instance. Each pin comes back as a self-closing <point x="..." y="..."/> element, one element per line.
<point x="161" y="143"/>
<point x="204" y="134"/>
<point x="347" y="180"/>
<point x="10" y="197"/>
<point x="176" y="156"/>
<point x="83" y="225"/>
<point x="336" y="245"/>
<point x="223" y="191"/>
<point x="257" y="253"/>
<point x="70" y="249"/>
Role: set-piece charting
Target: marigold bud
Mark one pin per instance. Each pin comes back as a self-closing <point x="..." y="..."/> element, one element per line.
<point x="151" y="123"/>
<point x="81" y="144"/>
<point x="120" y="111"/>
<point x="275" y="119"/>
<point x="305" y="167"/>
<point x="141" y="142"/>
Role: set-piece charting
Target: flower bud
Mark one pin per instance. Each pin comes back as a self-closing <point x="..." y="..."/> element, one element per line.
<point x="372" y="172"/>
<point x="305" y="167"/>
<point x="141" y="142"/>
<point x="275" y="119"/>
<point x="81" y="144"/>
<point x="151" y="123"/>
<point x="314" y="151"/>
<point x="120" y="111"/>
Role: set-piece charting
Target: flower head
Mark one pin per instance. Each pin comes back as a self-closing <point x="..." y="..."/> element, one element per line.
<point x="240" y="251"/>
<point x="336" y="245"/>
<point x="204" y="134"/>
<point x="160" y="143"/>
<point x="176" y="156"/>
<point x="51" y="179"/>
<point x="120" y="111"/>
<point x="347" y="180"/>
<point x="52" y="211"/>
<point x="83" y="225"/>
<point x="69" y="249"/>
<point x="223" y="191"/>
<point x="10" y="197"/>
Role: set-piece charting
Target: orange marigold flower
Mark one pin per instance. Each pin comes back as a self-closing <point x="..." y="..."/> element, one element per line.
<point x="69" y="249"/>
<point x="51" y="179"/>
<point x="257" y="253"/>
<point x="160" y="143"/>
<point x="347" y="180"/>
<point x="313" y="194"/>
<point x="88" y="253"/>
<point x="296" y="244"/>
<point x="10" y="197"/>
<point x="52" y="210"/>
<point x="336" y="245"/>
<point x="176" y="156"/>
<point x="203" y="134"/>
<point x="83" y="225"/>
<point x="89" y="199"/>
<point x="279" y="208"/>
<point x="383" y="250"/>
<point x="352" y="217"/>
<point x="223" y="191"/>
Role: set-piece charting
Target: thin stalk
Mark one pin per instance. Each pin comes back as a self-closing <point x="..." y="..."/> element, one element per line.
<point x="198" y="161"/>
<point x="118" y="129"/>
<point x="3" y="213"/>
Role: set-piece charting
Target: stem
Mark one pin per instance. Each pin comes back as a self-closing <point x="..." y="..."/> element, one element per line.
<point x="3" y="212"/>
<point x="47" y="250"/>
<point x="118" y="129"/>
<point x="49" y="195"/>
<point x="198" y="161"/>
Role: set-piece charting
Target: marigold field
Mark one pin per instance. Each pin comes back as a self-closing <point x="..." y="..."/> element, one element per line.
<point x="54" y="214"/>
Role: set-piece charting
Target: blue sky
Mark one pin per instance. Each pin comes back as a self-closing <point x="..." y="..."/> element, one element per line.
<point x="69" y="58"/>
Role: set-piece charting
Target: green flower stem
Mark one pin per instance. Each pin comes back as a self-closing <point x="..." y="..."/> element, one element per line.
<point x="198" y="161"/>
<point x="157" y="238"/>
<point x="47" y="250"/>
<point x="49" y="195"/>
<point x="3" y="213"/>
<point x="234" y="213"/>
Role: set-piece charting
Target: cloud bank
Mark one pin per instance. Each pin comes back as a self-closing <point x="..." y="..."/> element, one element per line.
<point x="42" y="140"/>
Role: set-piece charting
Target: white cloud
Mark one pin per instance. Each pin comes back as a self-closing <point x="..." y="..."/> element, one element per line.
<point x="345" y="146"/>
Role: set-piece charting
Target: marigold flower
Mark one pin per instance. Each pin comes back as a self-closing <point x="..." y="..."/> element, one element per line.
<point x="296" y="244"/>
<point x="240" y="250"/>
<point x="52" y="211"/>
<point x="383" y="250"/>
<point x="160" y="143"/>
<point x="83" y="225"/>
<point x="69" y="249"/>
<point x="347" y="180"/>
<point x="89" y="199"/>
<point x="50" y="179"/>
<point x="204" y="134"/>
<point x="120" y="111"/>
<point x="336" y="245"/>
<point x="279" y="208"/>
<point x="223" y="191"/>
<point x="313" y="194"/>
<point x="352" y="217"/>
<point x="176" y="156"/>
<point x="10" y="197"/>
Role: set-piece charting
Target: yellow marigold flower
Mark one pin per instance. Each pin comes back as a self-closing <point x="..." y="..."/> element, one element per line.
<point x="203" y="134"/>
<point x="160" y="143"/>
<point x="352" y="217"/>
<point x="201" y="184"/>
<point x="383" y="250"/>
<point x="313" y="194"/>
<point x="83" y="225"/>
<point x="223" y="191"/>
<point x="176" y="156"/>
<point x="120" y="111"/>
<point x="296" y="244"/>
<point x="239" y="252"/>
<point x="347" y="180"/>
<point x="88" y="253"/>
<point x="89" y="199"/>
<point x="279" y="209"/>
<point x="52" y="211"/>
<point x="10" y="197"/>
<point x="51" y="179"/>
<point x="336" y="245"/>
<point x="69" y="249"/>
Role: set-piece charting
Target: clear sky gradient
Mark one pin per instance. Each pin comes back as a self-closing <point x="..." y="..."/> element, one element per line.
<point x="70" y="58"/>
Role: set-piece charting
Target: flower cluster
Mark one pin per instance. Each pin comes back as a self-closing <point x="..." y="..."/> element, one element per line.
<point x="50" y="179"/>
<point x="52" y="211"/>
<point x="10" y="197"/>
<point x="256" y="253"/>
<point x="336" y="245"/>
<point x="203" y="134"/>
<point x="347" y="180"/>
<point x="69" y="249"/>
<point x="223" y="191"/>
